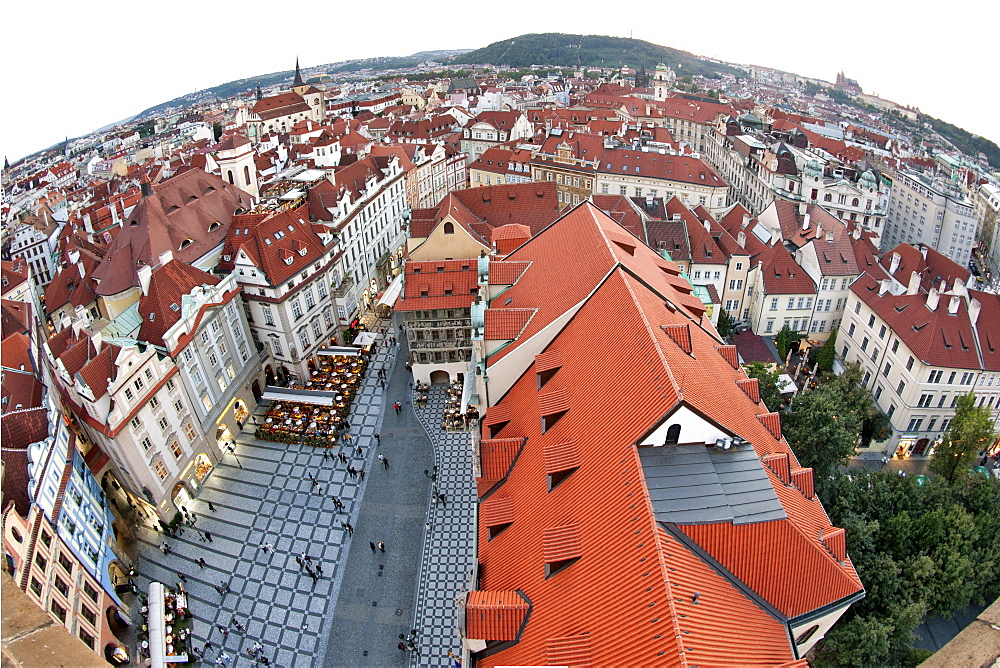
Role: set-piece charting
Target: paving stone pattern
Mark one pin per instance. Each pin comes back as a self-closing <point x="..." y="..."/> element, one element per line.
<point x="263" y="494"/>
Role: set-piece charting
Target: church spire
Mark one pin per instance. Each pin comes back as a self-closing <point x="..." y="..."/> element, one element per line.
<point x="298" y="75"/>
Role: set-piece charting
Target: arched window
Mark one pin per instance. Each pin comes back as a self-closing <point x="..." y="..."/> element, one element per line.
<point x="185" y="244"/>
<point x="449" y="228"/>
<point x="828" y="197"/>
<point x="246" y="174"/>
<point x="673" y="435"/>
<point x="855" y="202"/>
<point x="231" y="180"/>
<point x="214" y="226"/>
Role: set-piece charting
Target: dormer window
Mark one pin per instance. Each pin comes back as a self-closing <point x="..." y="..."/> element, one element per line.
<point x="288" y="260"/>
<point x="214" y="226"/>
<point x="303" y="250"/>
<point x="185" y="244"/>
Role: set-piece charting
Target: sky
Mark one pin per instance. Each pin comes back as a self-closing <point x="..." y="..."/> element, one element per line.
<point x="73" y="67"/>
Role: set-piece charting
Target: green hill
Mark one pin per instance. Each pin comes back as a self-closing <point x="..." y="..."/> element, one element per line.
<point x="592" y="50"/>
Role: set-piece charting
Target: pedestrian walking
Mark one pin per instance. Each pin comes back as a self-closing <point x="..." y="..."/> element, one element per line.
<point x="381" y="457"/>
<point x="257" y="647"/>
<point x="381" y="546"/>
<point x="319" y="569"/>
<point x="441" y="497"/>
<point x="181" y="577"/>
<point x="299" y="559"/>
<point x="360" y="451"/>
<point x="237" y="624"/>
<point x="201" y="562"/>
<point x="211" y="507"/>
<point x="224" y="585"/>
<point x="343" y="457"/>
<point x="201" y="537"/>
<point x="193" y="517"/>
<point x="397" y="406"/>
<point x="381" y="383"/>
<point x="307" y="558"/>
<point x="385" y="463"/>
<point x="311" y="477"/>
<point x="378" y="439"/>
<point x="372" y="546"/>
<point x="313" y="575"/>
<point x="164" y="548"/>
<point x="361" y="472"/>
<point x="223" y="629"/>
<point x="209" y="537"/>
<point x="350" y="529"/>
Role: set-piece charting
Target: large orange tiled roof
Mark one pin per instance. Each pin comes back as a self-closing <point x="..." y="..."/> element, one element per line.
<point x="574" y="524"/>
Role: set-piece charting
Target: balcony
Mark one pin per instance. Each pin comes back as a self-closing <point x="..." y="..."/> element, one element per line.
<point x="345" y="287"/>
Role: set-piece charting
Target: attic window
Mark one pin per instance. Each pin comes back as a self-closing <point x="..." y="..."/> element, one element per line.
<point x="497" y="428"/>
<point x="416" y="270"/>
<point x="303" y="251"/>
<point x="134" y="223"/>
<point x="267" y="240"/>
<point x="175" y="307"/>
<point x="211" y="189"/>
<point x="549" y="421"/>
<point x="190" y="199"/>
<point x="185" y="244"/>
<point x="556" y="478"/>
<point x="288" y="260"/>
<point x="152" y="317"/>
<point x="449" y="228"/>
<point x="172" y="209"/>
<point x="214" y="226"/>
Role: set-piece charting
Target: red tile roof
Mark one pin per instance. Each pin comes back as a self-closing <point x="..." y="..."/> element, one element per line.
<point x="495" y="615"/>
<point x="15" y="317"/>
<point x="160" y="308"/>
<point x="263" y="240"/>
<point x="629" y="581"/>
<point x="933" y="268"/>
<point x="425" y="287"/>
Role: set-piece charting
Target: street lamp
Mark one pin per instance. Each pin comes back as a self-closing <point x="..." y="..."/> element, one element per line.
<point x="231" y="449"/>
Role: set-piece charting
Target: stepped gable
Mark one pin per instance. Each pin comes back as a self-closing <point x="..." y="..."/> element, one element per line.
<point x="180" y="216"/>
<point x="584" y="232"/>
<point x="936" y="337"/>
<point x="591" y="541"/>
<point x="161" y="307"/>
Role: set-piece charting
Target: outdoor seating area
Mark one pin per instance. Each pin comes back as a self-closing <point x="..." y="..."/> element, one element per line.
<point x="453" y="418"/>
<point x="163" y="635"/>
<point x="295" y="422"/>
<point x="420" y="394"/>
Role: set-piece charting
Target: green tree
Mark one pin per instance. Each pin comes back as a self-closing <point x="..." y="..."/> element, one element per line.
<point x="217" y="130"/>
<point x="727" y="324"/>
<point x="767" y="380"/>
<point x="824" y="425"/>
<point x="784" y="340"/>
<point x="971" y="431"/>
<point x="828" y="353"/>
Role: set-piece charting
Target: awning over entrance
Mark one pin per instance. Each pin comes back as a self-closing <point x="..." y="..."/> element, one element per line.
<point x="365" y="339"/>
<point x="347" y="351"/>
<point x="315" y="397"/>
<point x="392" y="292"/>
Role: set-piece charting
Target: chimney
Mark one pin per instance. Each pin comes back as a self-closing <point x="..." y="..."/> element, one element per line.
<point x="932" y="299"/>
<point x="805" y="222"/>
<point x="923" y="251"/>
<point x="944" y="286"/>
<point x="953" y="305"/>
<point x="829" y="235"/>
<point x="166" y="256"/>
<point x="974" y="307"/>
<point x="856" y="234"/>
<point x="775" y="237"/>
<point x="894" y="263"/>
<point x="883" y="286"/>
<point x="145" y="273"/>
<point x="708" y="226"/>
<point x="97" y="339"/>
<point x="746" y="219"/>
<point x="914" y="285"/>
<point x="959" y="288"/>
<point x="741" y="239"/>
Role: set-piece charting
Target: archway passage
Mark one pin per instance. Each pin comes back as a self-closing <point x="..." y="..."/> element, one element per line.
<point x="180" y="494"/>
<point x="115" y="655"/>
<point x="257" y="393"/>
<point x="268" y="376"/>
<point x="440" y="377"/>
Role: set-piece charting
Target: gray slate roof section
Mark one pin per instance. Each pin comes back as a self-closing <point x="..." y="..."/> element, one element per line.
<point x="694" y="484"/>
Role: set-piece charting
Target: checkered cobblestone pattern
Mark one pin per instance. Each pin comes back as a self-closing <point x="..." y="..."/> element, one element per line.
<point x="269" y="500"/>
<point x="448" y="559"/>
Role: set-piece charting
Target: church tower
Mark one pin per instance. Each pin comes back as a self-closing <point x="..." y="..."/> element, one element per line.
<point x="236" y="159"/>
<point x="663" y="82"/>
<point x="298" y="85"/>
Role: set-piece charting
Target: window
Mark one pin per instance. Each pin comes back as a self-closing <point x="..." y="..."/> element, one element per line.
<point x="951" y="377"/>
<point x="149" y="374"/>
<point x="770" y="327"/>
<point x="90" y="591"/>
<point x="58" y="611"/>
<point x="178" y="407"/>
<point x="871" y="320"/>
<point x="304" y="339"/>
<point x="223" y="383"/>
<point x="892" y="409"/>
<point x="915" y="424"/>
<point x="886" y="369"/>
<point x="244" y="355"/>
<point x="61" y="586"/>
<point x="138" y="384"/>
<point x="967" y="378"/>
<point x="128" y="394"/>
<point x="925" y="400"/>
<point x="135" y="422"/>
<point x="222" y="348"/>
<point x="268" y="318"/>
<point x="900" y="387"/>
<point x="277" y="347"/>
<point x="163" y="424"/>
<point x="65" y="562"/>
<point x="806" y="635"/>
<point x="857" y="307"/>
<point x="864" y="344"/>
<point x="878" y="392"/>
<point x="850" y="330"/>
<point x="204" y="337"/>
<point x="774" y="303"/>
<point x="881" y="332"/>
<point x="213" y="360"/>
<point x="935" y="376"/>
<point x="207" y="401"/>
<point x="297" y="309"/>
<point x="189" y="431"/>
<point x="196" y="377"/>
<point x="310" y="301"/>
<point x="170" y="385"/>
<point x="175" y="448"/>
<point x="449" y="228"/>
<point x="230" y="371"/>
<point x="88" y="614"/>
<point x="161" y="470"/>
<point x="554" y="567"/>
<point x="946" y="424"/>
<point x="146" y="444"/>
<point x="36" y="587"/>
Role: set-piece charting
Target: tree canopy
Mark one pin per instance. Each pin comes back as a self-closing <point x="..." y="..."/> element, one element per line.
<point x="971" y="432"/>
<point x="825" y="424"/>
<point x="918" y="549"/>
<point x="727" y="324"/>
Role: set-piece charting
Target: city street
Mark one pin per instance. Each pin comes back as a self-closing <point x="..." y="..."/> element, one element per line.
<point x="354" y="613"/>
